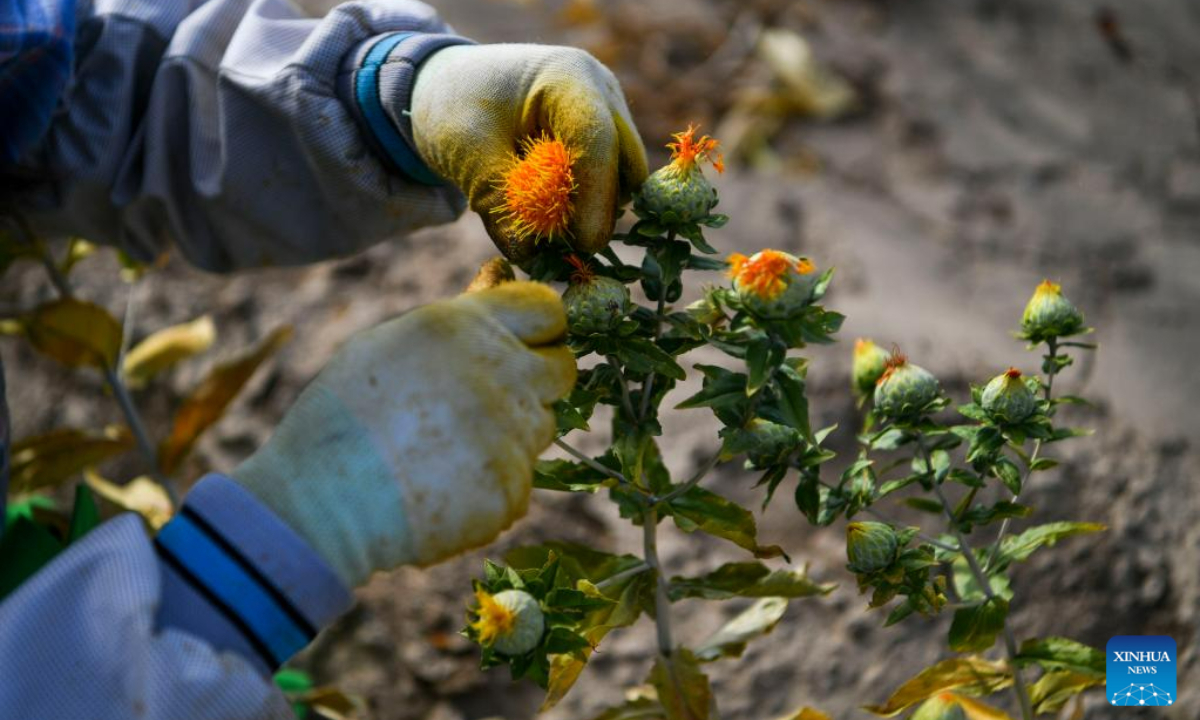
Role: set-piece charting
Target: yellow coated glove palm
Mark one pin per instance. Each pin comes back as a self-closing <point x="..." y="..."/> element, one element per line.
<point x="417" y="440"/>
<point x="474" y="105"/>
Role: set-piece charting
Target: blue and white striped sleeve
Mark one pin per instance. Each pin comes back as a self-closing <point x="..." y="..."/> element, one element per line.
<point x="189" y="624"/>
<point x="241" y="131"/>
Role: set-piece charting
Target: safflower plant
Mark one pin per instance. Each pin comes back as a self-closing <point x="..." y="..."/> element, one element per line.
<point x="543" y="610"/>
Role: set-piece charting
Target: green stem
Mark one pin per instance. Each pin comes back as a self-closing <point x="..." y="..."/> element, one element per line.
<point x="581" y="457"/>
<point x="625" y="574"/>
<point x="648" y="386"/>
<point x="1010" y="642"/>
<point x="691" y="483"/>
<point x="626" y="400"/>
<point x="1052" y="346"/>
<point x="662" y="604"/>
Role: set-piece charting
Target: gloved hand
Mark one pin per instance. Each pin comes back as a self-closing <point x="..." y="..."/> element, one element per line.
<point x="417" y="440"/>
<point x="472" y="105"/>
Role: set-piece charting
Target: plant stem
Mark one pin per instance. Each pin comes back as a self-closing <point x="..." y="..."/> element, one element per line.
<point x="581" y="457"/>
<point x="662" y="604"/>
<point x="1052" y="346"/>
<point x="692" y="482"/>
<point x="648" y="386"/>
<point x="626" y="400"/>
<point x="1010" y="642"/>
<point x="623" y="575"/>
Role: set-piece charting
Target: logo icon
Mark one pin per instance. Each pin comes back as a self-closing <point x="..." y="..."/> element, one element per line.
<point x="1140" y="670"/>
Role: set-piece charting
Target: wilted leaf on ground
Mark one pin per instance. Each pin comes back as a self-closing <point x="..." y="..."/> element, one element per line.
<point x="140" y="495"/>
<point x="973" y="673"/>
<point x="162" y="349"/>
<point x="51" y="459"/>
<point x="731" y="638"/>
<point x="74" y="332"/>
<point x="700" y="509"/>
<point x="748" y="579"/>
<point x="683" y="688"/>
<point x="208" y="402"/>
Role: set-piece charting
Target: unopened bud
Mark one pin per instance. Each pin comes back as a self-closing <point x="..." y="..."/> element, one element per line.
<point x="1007" y="399"/>
<point x="773" y="442"/>
<point x="870" y="361"/>
<point x="1048" y="314"/>
<point x="594" y="303"/>
<point x="870" y="546"/>
<point x="904" y="390"/>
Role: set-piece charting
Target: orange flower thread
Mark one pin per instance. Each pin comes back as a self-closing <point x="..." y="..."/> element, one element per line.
<point x="766" y="273"/>
<point x="897" y="360"/>
<point x="583" y="272"/>
<point x="1012" y="373"/>
<point x="688" y="150"/>
<point x="539" y="188"/>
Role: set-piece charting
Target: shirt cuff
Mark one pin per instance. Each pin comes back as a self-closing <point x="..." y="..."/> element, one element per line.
<point x="376" y="82"/>
<point x="237" y="576"/>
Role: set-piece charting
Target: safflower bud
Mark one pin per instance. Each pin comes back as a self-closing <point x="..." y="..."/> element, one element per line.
<point x="594" y="304"/>
<point x="772" y="284"/>
<point x="1048" y="314"/>
<point x="904" y="390"/>
<point x="510" y="622"/>
<point x="773" y="442"/>
<point x="678" y="192"/>
<point x="1007" y="399"/>
<point x="870" y="546"/>
<point x="870" y="361"/>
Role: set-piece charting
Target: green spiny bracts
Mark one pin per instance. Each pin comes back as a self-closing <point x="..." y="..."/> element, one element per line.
<point x="594" y="304"/>
<point x="870" y="546"/>
<point x="870" y="361"/>
<point x="772" y="284"/>
<point x="772" y="442"/>
<point x="904" y="391"/>
<point x="1050" y="315"/>
<point x="1007" y="399"/>
<point x="678" y="193"/>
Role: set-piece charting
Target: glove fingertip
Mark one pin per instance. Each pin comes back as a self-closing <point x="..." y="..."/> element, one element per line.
<point x="530" y="310"/>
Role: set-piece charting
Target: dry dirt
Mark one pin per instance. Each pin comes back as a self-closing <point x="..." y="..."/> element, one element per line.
<point x="1000" y="142"/>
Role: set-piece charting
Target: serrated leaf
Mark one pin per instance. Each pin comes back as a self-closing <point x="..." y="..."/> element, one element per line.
<point x="1018" y="548"/>
<point x="701" y="509"/>
<point x="682" y="686"/>
<point x="74" y="332"/>
<point x="730" y="639"/>
<point x="975" y="627"/>
<point x="166" y="347"/>
<point x="747" y="579"/>
<point x="49" y="460"/>
<point x="209" y="400"/>
<point x="793" y="403"/>
<point x="974" y="674"/>
<point x="140" y="495"/>
<point x="1060" y="653"/>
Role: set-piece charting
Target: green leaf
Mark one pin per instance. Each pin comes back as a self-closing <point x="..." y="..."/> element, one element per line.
<point x="1054" y="689"/>
<point x="701" y="509"/>
<point x="924" y="504"/>
<point x="567" y="476"/>
<point x="793" y="403"/>
<point x="974" y="674"/>
<point x="1018" y="548"/>
<point x="25" y="548"/>
<point x="975" y="627"/>
<point x="1060" y="653"/>
<point x="715" y="220"/>
<point x="643" y="356"/>
<point x="722" y="390"/>
<point x="747" y="579"/>
<point x="682" y="687"/>
<point x="1043" y="464"/>
<point x="699" y="262"/>
<point x="84" y="516"/>
<point x="982" y="515"/>
<point x="1009" y="474"/>
<point x="969" y="589"/>
<point x="762" y="355"/>
<point x="730" y="639"/>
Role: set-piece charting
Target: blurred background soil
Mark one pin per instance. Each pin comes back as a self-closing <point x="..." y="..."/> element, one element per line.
<point x="945" y="157"/>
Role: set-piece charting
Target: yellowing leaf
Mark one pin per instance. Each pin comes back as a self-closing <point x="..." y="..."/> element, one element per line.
<point x="682" y="687"/>
<point x="980" y="675"/>
<point x="332" y="703"/>
<point x="78" y="249"/>
<point x="208" y="402"/>
<point x="75" y="332"/>
<point x="700" y="509"/>
<point x="748" y="579"/>
<point x="805" y="713"/>
<point x="51" y="459"/>
<point x="976" y="710"/>
<point x="731" y="638"/>
<point x="140" y="495"/>
<point x="1054" y="689"/>
<point x="166" y="347"/>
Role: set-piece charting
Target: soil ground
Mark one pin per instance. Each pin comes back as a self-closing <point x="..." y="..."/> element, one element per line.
<point x="997" y="143"/>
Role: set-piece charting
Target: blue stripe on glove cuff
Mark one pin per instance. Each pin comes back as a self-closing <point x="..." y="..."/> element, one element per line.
<point x="366" y="91"/>
<point x="272" y="626"/>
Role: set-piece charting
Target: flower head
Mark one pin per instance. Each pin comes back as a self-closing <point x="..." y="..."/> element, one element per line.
<point x="1007" y="399"/>
<point x="539" y="187"/>
<point x="870" y="546"/>
<point x="511" y="622"/>
<point x="905" y="391"/>
<point x="870" y="361"/>
<point x="766" y="274"/>
<point x="1048" y="314"/>
<point x="688" y="150"/>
